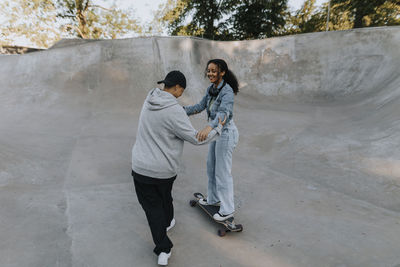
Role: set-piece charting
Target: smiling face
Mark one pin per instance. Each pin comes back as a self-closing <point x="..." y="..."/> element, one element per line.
<point x="214" y="74"/>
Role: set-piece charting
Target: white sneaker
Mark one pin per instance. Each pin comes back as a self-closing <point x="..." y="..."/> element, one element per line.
<point x="171" y="225"/>
<point x="204" y="202"/>
<point x="163" y="258"/>
<point x="219" y="217"/>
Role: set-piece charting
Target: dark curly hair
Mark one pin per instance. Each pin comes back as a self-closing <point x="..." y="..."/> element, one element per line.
<point x="229" y="76"/>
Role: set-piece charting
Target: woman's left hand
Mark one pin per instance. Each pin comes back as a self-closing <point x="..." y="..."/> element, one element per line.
<point x="202" y="135"/>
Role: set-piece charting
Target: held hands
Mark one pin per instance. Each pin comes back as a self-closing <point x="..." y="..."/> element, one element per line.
<point x="202" y="135"/>
<point x="222" y="122"/>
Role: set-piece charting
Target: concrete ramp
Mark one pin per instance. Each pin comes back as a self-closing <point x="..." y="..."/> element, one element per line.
<point x="316" y="171"/>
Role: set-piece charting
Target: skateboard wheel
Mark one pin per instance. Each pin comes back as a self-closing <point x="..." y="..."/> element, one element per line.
<point x="192" y="203"/>
<point x="221" y="232"/>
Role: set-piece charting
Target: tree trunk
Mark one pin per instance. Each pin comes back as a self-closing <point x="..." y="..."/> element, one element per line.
<point x="358" y="20"/>
<point x="209" y="27"/>
<point x="81" y="16"/>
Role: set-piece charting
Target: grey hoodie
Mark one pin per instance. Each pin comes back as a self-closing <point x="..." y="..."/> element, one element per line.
<point x="163" y="128"/>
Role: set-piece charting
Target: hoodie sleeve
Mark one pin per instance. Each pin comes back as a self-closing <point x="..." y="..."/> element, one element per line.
<point x="182" y="128"/>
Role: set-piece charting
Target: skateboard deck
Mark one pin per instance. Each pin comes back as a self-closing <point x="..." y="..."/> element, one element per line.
<point x="229" y="224"/>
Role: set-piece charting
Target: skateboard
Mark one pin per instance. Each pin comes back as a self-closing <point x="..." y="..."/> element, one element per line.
<point x="229" y="224"/>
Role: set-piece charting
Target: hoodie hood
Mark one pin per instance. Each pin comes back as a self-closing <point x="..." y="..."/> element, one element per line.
<point x="158" y="99"/>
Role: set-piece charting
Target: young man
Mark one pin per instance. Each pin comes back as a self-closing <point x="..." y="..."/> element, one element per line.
<point x="163" y="128"/>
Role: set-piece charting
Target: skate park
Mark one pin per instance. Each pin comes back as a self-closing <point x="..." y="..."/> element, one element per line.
<point x="316" y="171"/>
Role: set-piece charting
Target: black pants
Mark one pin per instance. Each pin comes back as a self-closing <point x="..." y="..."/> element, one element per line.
<point x="155" y="197"/>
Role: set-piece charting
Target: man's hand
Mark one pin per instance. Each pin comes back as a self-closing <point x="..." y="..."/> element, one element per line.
<point x="202" y="135"/>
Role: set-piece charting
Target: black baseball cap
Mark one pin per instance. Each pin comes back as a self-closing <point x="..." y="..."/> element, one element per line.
<point x="173" y="78"/>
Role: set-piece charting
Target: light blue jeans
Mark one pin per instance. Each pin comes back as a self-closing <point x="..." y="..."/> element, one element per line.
<point x="219" y="166"/>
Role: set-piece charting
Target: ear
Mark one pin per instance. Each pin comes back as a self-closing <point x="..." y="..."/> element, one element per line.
<point x="223" y="73"/>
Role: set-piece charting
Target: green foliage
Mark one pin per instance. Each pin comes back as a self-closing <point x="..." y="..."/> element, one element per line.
<point x="343" y="15"/>
<point x="84" y="20"/>
<point x="34" y="21"/>
<point x="258" y="19"/>
<point x="42" y="22"/>
<point x="306" y="19"/>
<point x="387" y="14"/>
<point x="207" y="17"/>
<point x="250" y="19"/>
<point x="348" y="14"/>
<point x="362" y="11"/>
<point x="168" y="16"/>
<point x="224" y="19"/>
<point x="340" y="17"/>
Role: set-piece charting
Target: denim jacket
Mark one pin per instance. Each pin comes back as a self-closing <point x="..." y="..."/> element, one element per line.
<point x="221" y="107"/>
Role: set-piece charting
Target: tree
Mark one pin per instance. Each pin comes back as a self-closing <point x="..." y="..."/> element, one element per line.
<point x="340" y="17"/>
<point x="258" y="19"/>
<point x="387" y="14"/>
<point x="206" y="17"/>
<point x="307" y="19"/>
<point x="210" y="19"/>
<point x="168" y="16"/>
<point x="361" y="10"/>
<point x="33" y="21"/>
<point x="88" y="21"/>
<point x="42" y="22"/>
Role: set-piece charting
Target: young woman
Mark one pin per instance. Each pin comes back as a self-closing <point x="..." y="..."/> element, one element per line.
<point x="218" y="102"/>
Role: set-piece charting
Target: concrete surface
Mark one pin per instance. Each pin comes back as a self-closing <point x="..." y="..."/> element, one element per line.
<point x="316" y="171"/>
